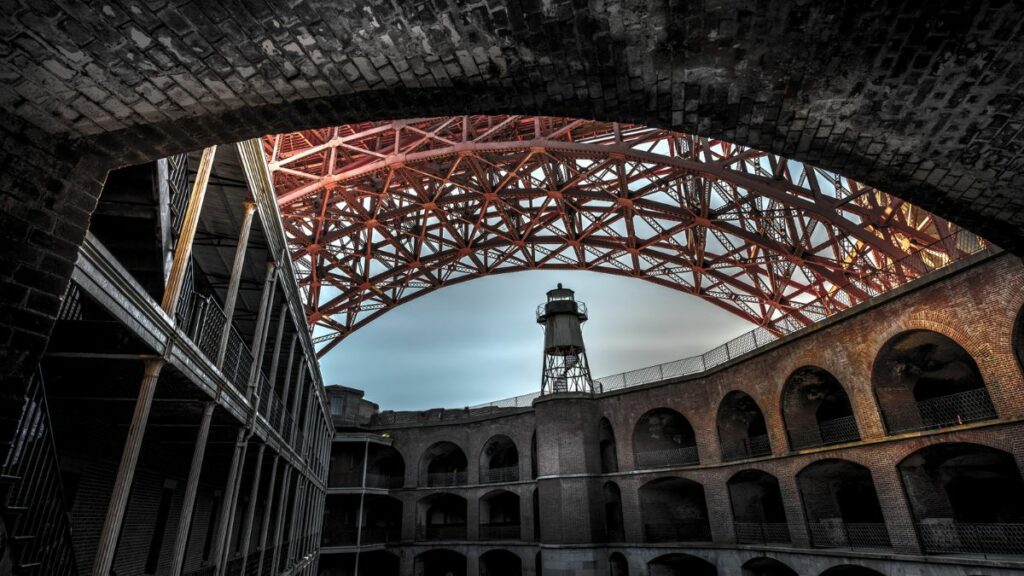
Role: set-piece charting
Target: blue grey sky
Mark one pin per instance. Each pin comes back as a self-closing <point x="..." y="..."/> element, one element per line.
<point x="478" y="341"/>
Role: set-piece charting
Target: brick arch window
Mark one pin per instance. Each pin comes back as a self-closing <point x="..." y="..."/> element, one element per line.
<point x="674" y="509"/>
<point x="841" y="505"/>
<point x="681" y="565"/>
<point x="966" y="498"/>
<point x="1018" y="339"/>
<point x="617" y="565"/>
<point x="816" y="409"/>
<point x="499" y="516"/>
<point x="925" y="380"/>
<point x="443" y="464"/>
<point x="440" y="562"/>
<point x="850" y="570"/>
<point x="742" y="432"/>
<point x="759" y="516"/>
<point x="764" y="566"/>
<point x="664" y="437"/>
<point x="499" y="460"/>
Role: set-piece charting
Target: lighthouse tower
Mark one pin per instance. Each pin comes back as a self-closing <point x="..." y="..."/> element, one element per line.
<point x="565" y="357"/>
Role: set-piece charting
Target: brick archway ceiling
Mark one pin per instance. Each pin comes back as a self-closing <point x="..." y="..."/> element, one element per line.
<point x="379" y="213"/>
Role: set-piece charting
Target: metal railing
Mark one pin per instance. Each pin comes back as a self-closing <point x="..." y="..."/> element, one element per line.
<point x="381" y="534"/>
<point x="950" y="410"/>
<point x="500" y="532"/>
<point x="442" y="532"/>
<point x="946" y="536"/>
<point x="34" y="508"/>
<point x="688" y="531"/>
<point x="834" y="431"/>
<point x="498" y="475"/>
<point x="750" y="447"/>
<point x="762" y="532"/>
<point x="383" y="481"/>
<point x="874" y="284"/>
<point x="457" y="478"/>
<point x="839" y="534"/>
<point x="682" y="456"/>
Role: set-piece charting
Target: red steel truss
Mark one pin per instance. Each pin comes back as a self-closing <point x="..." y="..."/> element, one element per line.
<point x="379" y="213"/>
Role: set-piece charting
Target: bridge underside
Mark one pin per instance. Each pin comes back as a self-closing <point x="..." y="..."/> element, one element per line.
<point x="379" y="213"/>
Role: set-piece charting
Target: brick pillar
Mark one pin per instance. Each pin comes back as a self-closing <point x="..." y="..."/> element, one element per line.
<point x="472" y="516"/>
<point x="716" y="496"/>
<point x="795" y="517"/>
<point x="899" y="520"/>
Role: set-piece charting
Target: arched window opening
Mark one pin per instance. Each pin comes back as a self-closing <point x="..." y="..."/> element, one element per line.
<point x="617" y="565"/>
<point x="500" y="563"/>
<point x="443" y="464"/>
<point x="925" y="380"/>
<point x="841" y="505"/>
<point x="742" y="432"/>
<point x="681" y="565"/>
<point x="441" y="517"/>
<point x="850" y="570"/>
<point x="765" y="566"/>
<point x="966" y="498"/>
<point x="536" y="515"/>
<point x="385" y="467"/>
<point x="377" y="562"/>
<point x="440" y="562"/>
<point x="533" y="456"/>
<point x="609" y="455"/>
<point x="1017" y="341"/>
<point x="663" y="437"/>
<point x="757" y="510"/>
<point x="499" y="461"/>
<point x="817" y="410"/>
<point x="674" y="510"/>
<point x="383" y="519"/>
<point x="499" y="516"/>
<point x="613" y="525"/>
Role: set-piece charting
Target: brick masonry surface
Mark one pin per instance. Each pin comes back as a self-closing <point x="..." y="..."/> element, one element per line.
<point x="977" y="307"/>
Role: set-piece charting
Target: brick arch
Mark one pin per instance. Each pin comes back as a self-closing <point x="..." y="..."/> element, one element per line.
<point x="811" y="438"/>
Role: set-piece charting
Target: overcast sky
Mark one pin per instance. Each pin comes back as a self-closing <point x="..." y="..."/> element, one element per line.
<point x="478" y="341"/>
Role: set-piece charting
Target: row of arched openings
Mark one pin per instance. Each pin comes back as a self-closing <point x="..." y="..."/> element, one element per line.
<point x="921" y="380"/>
<point x="964" y="498"/>
<point x="501" y="562"/>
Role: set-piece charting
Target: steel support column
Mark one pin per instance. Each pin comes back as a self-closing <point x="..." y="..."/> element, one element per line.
<point x="268" y="512"/>
<point x="191" y="488"/>
<point x="250" y="513"/>
<point x="235" y="280"/>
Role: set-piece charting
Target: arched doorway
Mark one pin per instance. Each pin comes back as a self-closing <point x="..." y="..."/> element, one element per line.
<point x="925" y="380"/>
<point x="440" y="562"/>
<point x="609" y="455"/>
<point x="965" y="498"/>
<point x="383" y="519"/>
<point x="443" y="464"/>
<point x="674" y="510"/>
<point x="816" y="410"/>
<point x="441" y="517"/>
<point x="841" y="505"/>
<point x="613" y="526"/>
<point x="664" y="437"/>
<point x="757" y="510"/>
<point x="499" y="461"/>
<point x="681" y="565"/>
<point x="499" y="516"/>
<point x="385" y="467"/>
<point x="617" y="565"/>
<point x="742" y="432"/>
<point x="500" y="563"/>
<point x="765" y="566"/>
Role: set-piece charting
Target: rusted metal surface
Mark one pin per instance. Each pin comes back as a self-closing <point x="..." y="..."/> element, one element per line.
<point x="379" y="213"/>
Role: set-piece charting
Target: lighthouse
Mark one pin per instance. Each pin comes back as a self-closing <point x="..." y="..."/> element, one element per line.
<point x="565" y="357"/>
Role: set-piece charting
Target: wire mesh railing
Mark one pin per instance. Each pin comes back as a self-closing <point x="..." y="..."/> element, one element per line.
<point x="498" y="475"/>
<point x="839" y="534"/>
<point x="450" y="531"/>
<point x="34" y="509"/>
<point x="682" y="456"/>
<point x="825" y="433"/>
<point x="498" y="531"/>
<point x="762" y="532"/>
<point x="910" y="268"/>
<point x="683" y="531"/>
<point x="947" y="536"/>
<point x="949" y="410"/>
<point x="456" y="478"/>
<point x="750" y="447"/>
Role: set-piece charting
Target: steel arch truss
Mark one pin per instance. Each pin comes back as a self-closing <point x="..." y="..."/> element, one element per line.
<point x="379" y="213"/>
